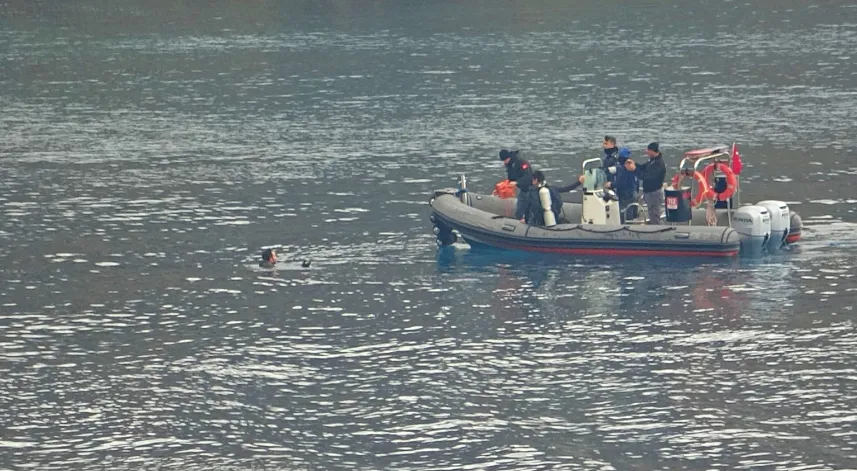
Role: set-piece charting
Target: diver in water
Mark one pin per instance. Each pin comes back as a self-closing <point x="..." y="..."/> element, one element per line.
<point x="269" y="258"/>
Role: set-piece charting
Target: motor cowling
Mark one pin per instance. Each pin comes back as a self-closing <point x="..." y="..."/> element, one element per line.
<point x="780" y="223"/>
<point x="753" y="223"/>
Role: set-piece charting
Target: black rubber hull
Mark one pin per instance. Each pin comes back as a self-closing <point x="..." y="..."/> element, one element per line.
<point x="571" y="212"/>
<point x="493" y="228"/>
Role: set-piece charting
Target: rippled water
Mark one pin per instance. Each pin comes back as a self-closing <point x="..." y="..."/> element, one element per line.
<point x="148" y="153"/>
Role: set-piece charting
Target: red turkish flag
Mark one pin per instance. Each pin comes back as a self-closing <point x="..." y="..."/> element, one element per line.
<point x="736" y="160"/>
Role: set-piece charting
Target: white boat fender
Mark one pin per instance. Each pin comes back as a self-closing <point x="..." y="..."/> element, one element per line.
<point x="545" y="199"/>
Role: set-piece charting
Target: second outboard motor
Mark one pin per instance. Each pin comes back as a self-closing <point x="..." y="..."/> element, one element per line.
<point x="753" y="223"/>
<point x="780" y="223"/>
<point x="795" y="227"/>
<point x="677" y="203"/>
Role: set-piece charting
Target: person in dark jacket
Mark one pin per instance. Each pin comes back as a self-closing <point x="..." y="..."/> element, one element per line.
<point x="519" y="172"/>
<point x="525" y="186"/>
<point x="572" y="187"/>
<point x="533" y="209"/>
<point x="516" y="167"/>
<point x="610" y="160"/>
<point x="652" y="174"/>
<point x="625" y="185"/>
<point x="610" y="163"/>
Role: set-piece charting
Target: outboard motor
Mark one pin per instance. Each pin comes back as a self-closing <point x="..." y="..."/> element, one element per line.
<point x="753" y="223"/>
<point x="600" y="207"/>
<point x="780" y="223"/>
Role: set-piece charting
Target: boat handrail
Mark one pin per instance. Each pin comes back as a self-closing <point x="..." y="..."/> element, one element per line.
<point x="696" y="161"/>
<point x="717" y="156"/>
<point x="587" y="161"/>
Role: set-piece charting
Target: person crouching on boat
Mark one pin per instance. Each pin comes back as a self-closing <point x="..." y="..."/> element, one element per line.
<point x="625" y="185"/>
<point x="517" y="169"/>
<point x="543" y="206"/>
<point x="525" y="189"/>
<point x="520" y="176"/>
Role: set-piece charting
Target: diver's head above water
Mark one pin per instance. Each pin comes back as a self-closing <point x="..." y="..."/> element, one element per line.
<point x="269" y="258"/>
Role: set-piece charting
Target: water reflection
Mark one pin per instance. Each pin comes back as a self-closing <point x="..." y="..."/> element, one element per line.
<point x="553" y="289"/>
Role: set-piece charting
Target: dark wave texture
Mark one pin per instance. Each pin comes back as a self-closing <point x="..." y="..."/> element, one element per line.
<point x="149" y="151"/>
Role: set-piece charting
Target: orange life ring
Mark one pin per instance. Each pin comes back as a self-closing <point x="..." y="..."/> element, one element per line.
<point x="703" y="192"/>
<point x="731" y="180"/>
<point x="504" y="189"/>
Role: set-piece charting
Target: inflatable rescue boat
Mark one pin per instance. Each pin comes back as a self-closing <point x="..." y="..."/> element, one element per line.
<point x="596" y="227"/>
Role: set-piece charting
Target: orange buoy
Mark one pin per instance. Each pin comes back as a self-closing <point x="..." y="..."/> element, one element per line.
<point x="703" y="191"/>
<point x="731" y="180"/>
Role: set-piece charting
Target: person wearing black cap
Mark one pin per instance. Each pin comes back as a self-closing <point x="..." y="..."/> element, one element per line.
<point x="520" y="173"/>
<point x="516" y="167"/>
<point x="652" y="174"/>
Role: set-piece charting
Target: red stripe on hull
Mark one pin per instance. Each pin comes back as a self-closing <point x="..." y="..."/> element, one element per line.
<point x="792" y="238"/>
<point x="639" y="252"/>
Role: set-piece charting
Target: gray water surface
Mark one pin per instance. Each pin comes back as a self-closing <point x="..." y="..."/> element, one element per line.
<point x="149" y="151"/>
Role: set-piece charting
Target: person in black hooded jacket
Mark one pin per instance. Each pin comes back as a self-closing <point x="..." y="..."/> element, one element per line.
<point x="517" y="169"/>
<point x="519" y="172"/>
<point x="610" y="160"/>
<point x="652" y="174"/>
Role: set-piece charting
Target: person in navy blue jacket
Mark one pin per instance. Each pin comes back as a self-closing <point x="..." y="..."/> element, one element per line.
<point x="610" y="158"/>
<point x="625" y="184"/>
